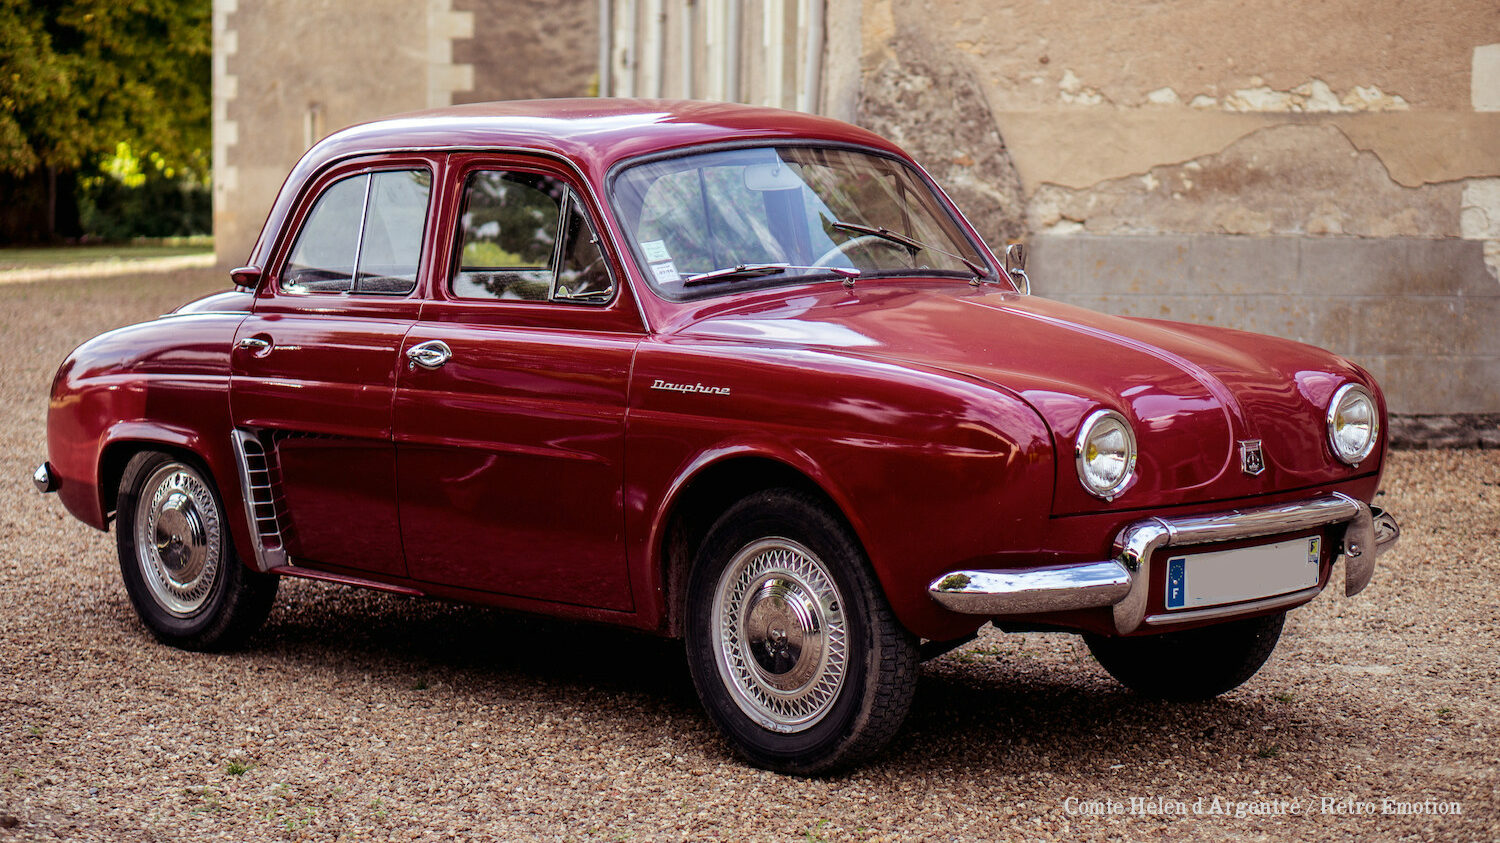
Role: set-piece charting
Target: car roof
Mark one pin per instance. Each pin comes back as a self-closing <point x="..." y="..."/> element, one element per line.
<point x="593" y="132"/>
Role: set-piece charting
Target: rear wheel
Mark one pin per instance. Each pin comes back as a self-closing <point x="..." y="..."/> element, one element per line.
<point x="1195" y="664"/>
<point x="792" y="647"/>
<point x="178" y="561"/>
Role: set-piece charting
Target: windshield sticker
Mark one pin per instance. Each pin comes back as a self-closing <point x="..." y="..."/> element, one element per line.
<point x="665" y="273"/>
<point x="656" y="251"/>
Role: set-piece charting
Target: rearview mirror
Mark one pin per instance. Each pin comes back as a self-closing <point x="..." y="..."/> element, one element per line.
<point x="777" y="176"/>
<point x="1015" y="267"/>
<point x="245" y="277"/>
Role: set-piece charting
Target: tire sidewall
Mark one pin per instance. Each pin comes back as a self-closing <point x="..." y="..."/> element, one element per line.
<point x="771" y="515"/>
<point x="181" y="631"/>
<point x="1223" y="657"/>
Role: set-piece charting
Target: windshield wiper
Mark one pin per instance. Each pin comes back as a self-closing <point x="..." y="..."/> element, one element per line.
<point x="912" y="244"/>
<point x="754" y="270"/>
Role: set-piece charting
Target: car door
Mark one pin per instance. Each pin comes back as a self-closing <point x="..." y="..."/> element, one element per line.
<point x="510" y="413"/>
<point x="314" y="365"/>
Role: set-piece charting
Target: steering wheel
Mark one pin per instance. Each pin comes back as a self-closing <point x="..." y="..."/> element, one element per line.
<point x="863" y="241"/>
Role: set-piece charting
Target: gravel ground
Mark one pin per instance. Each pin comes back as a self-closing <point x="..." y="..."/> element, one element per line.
<point x="357" y="715"/>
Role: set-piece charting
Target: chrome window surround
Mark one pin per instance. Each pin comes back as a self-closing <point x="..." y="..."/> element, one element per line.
<point x="1080" y="447"/>
<point x="368" y="175"/>
<point x="1333" y="409"/>
<point x="1124" y="581"/>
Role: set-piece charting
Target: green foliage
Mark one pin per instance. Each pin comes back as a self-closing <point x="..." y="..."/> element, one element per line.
<point x="115" y="209"/>
<point x="78" y="77"/>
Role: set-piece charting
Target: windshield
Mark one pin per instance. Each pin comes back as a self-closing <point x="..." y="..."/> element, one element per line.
<point x="785" y="215"/>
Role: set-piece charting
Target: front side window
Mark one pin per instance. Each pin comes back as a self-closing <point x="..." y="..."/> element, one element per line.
<point x="785" y="215"/>
<point x="363" y="235"/>
<point x="524" y="237"/>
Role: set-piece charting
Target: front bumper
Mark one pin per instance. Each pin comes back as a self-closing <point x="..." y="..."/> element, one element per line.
<point x="1124" y="580"/>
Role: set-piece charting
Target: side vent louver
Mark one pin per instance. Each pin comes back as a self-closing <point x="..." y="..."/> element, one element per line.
<point x="260" y="482"/>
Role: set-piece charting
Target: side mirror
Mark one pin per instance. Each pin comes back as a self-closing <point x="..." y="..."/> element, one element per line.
<point x="1015" y="267"/>
<point x="246" y="277"/>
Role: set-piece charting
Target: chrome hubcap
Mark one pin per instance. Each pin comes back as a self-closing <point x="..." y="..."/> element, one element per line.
<point x="780" y="634"/>
<point x="177" y="534"/>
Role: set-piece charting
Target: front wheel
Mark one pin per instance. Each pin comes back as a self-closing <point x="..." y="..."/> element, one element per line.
<point x="792" y="647"/>
<point x="178" y="561"/>
<point x="1195" y="664"/>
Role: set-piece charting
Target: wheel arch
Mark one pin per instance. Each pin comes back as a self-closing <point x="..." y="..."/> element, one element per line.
<point x="117" y="454"/>
<point x="124" y="441"/>
<point x="709" y="488"/>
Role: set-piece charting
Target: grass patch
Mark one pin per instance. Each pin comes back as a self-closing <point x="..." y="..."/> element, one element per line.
<point x="36" y="257"/>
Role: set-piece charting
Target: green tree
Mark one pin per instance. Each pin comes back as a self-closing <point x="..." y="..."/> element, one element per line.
<point x="79" y="77"/>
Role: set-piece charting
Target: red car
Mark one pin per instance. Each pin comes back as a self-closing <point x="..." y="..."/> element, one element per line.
<point x="732" y="374"/>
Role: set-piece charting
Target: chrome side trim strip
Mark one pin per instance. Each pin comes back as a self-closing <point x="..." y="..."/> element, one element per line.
<point x="1211" y="612"/>
<point x="344" y="579"/>
<point x="1029" y="590"/>
<point x="260" y="505"/>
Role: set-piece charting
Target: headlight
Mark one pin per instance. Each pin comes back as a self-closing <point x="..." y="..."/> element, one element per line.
<point x="1106" y="453"/>
<point x="1353" y="423"/>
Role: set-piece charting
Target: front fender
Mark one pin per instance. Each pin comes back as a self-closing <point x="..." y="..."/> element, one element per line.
<point x="160" y="385"/>
<point x="928" y="467"/>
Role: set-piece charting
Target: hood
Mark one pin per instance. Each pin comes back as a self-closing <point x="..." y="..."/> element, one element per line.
<point x="228" y="301"/>
<point x="1192" y="393"/>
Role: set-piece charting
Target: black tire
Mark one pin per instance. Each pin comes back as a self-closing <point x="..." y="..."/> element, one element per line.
<point x="177" y="558"/>
<point x="1195" y="664"/>
<point x="841" y="690"/>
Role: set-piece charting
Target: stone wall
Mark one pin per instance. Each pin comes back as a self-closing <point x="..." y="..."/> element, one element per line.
<point x="286" y="73"/>
<point x="1328" y="172"/>
<point x="1323" y="171"/>
<point x="527" y="49"/>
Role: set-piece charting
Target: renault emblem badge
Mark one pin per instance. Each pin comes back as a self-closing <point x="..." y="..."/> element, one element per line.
<point x="1252" y="461"/>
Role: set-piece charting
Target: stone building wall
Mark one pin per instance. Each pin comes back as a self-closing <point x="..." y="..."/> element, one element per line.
<point x="1328" y="171"/>
<point x="288" y="72"/>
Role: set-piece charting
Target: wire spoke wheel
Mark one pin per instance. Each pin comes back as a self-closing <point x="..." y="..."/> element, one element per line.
<point x="178" y="560"/>
<point x="792" y="647"/>
<point x="178" y="539"/>
<point x="783" y="645"/>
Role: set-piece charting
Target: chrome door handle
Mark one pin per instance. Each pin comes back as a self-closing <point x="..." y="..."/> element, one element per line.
<point x="255" y="344"/>
<point x="429" y="355"/>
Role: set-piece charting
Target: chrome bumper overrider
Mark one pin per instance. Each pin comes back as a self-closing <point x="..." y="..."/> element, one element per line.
<point x="1123" y="581"/>
<point x="43" y="479"/>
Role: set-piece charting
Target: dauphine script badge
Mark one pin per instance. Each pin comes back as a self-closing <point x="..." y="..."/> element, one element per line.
<point x="689" y="387"/>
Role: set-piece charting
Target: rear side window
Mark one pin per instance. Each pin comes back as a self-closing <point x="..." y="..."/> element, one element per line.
<point x="364" y="235"/>
<point x="525" y="237"/>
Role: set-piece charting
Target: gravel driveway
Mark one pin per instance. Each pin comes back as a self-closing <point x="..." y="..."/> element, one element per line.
<point x="357" y="715"/>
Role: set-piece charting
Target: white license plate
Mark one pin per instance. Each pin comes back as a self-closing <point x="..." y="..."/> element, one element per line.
<point x="1247" y="573"/>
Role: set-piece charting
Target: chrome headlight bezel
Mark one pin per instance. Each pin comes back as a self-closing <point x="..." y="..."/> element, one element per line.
<point x="1350" y="393"/>
<point x="1098" y="422"/>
